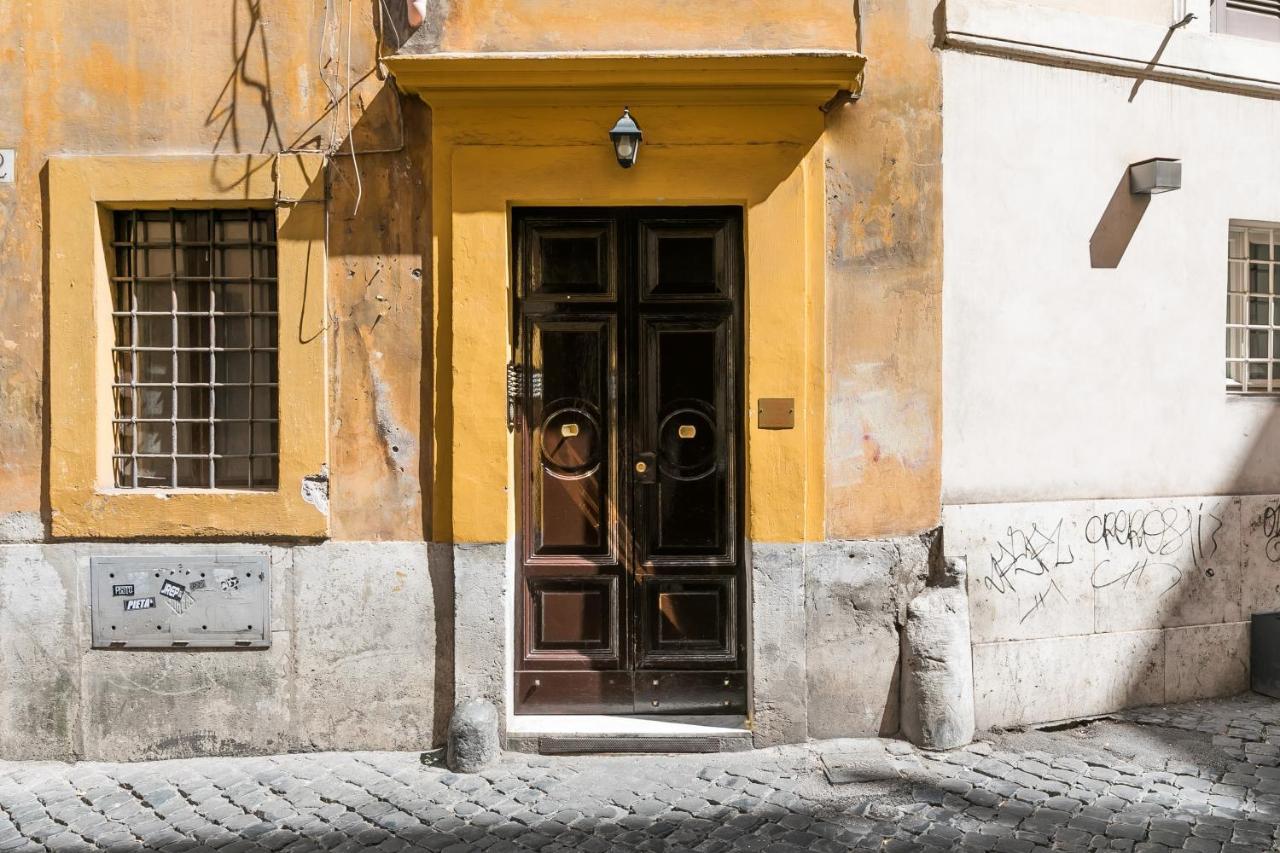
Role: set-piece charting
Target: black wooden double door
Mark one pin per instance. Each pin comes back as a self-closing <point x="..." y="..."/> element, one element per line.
<point x="628" y="396"/>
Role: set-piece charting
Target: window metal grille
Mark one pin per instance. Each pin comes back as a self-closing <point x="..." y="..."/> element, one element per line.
<point x="195" y="356"/>
<point x="1253" y="308"/>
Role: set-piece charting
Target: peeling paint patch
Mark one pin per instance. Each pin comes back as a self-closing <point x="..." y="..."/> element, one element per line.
<point x="21" y="527"/>
<point x="315" y="490"/>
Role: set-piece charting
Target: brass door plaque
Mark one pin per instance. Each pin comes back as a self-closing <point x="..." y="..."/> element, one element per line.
<point x="688" y="431"/>
<point x="776" y="413"/>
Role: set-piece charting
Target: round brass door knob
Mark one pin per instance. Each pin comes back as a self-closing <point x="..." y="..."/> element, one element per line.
<point x="641" y="467"/>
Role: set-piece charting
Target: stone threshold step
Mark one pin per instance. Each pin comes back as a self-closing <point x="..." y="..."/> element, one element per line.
<point x="599" y="734"/>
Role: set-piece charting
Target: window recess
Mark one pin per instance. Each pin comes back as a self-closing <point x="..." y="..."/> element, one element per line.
<point x="195" y="388"/>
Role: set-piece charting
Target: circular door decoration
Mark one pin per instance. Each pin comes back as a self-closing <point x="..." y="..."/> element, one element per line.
<point x="571" y="441"/>
<point x="687" y="443"/>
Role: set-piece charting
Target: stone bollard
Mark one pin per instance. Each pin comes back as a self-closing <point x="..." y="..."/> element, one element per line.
<point x="937" y="673"/>
<point x="473" y="737"/>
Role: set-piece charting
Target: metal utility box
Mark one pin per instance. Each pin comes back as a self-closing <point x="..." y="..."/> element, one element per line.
<point x="1264" y="653"/>
<point x="188" y="601"/>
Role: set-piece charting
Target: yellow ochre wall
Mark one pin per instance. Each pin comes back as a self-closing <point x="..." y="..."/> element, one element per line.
<point x="224" y="79"/>
<point x="229" y="78"/>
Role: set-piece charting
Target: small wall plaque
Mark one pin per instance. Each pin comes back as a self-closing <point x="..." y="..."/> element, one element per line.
<point x="6" y="165"/>
<point x="776" y="413"/>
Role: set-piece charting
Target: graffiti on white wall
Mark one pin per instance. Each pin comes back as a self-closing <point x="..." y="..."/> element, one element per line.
<point x="1114" y="549"/>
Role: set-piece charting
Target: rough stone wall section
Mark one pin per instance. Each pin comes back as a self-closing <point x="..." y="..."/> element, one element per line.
<point x="937" y="681"/>
<point x="356" y="649"/>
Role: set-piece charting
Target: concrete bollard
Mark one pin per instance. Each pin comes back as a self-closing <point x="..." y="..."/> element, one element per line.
<point x="937" y="673"/>
<point x="473" y="737"/>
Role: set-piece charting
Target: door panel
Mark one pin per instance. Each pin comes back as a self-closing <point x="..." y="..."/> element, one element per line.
<point x="685" y="414"/>
<point x="572" y="435"/>
<point x="629" y="349"/>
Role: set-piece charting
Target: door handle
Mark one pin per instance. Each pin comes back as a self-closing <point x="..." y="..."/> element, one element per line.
<point x="646" y="468"/>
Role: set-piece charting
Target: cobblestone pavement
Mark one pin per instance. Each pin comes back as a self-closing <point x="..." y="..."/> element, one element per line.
<point x="1203" y="777"/>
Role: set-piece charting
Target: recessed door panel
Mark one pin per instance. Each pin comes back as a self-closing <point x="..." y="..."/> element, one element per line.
<point x="572" y="436"/>
<point x="570" y="259"/>
<point x="629" y="353"/>
<point x="685" y="409"/>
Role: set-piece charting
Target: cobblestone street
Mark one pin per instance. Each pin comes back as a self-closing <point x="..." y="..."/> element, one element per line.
<point x="1202" y="777"/>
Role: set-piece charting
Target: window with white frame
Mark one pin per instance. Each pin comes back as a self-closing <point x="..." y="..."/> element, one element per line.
<point x="1258" y="19"/>
<point x="195" y="373"/>
<point x="1253" y="308"/>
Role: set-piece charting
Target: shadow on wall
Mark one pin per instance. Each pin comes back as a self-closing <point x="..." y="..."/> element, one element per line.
<point x="1119" y="222"/>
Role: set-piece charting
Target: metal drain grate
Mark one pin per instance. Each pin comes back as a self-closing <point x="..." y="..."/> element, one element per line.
<point x="574" y="745"/>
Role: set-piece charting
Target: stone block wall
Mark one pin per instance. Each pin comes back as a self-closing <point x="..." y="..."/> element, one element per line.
<point x="360" y="658"/>
<point x="1085" y="607"/>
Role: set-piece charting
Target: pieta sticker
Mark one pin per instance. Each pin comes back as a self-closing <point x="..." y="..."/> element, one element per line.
<point x="140" y="603"/>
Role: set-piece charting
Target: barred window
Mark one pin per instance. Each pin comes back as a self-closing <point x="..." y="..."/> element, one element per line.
<point x="195" y="355"/>
<point x="1253" y="308"/>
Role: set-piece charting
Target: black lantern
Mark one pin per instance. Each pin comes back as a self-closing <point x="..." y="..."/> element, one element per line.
<point x="626" y="138"/>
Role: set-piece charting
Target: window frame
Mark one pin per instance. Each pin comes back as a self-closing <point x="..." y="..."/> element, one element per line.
<point x="83" y="195"/>
<point x="1218" y="16"/>
<point x="1242" y="324"/>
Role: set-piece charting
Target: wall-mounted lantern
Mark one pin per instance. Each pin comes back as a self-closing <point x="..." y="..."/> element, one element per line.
<point x="626" y="138"/>
<point x="1157" y="175"/>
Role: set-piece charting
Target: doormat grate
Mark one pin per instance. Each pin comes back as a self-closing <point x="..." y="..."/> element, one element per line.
<point x="576" y="745"/>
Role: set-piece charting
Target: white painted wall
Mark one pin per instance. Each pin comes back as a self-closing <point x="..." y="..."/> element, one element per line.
<point x="1152" y="11"/>
<point x="1062" y="381"/>
<point x="1083" y="405"/>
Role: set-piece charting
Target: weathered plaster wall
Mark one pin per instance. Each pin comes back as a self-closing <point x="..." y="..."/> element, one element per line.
<point x="884" y="282"/>
<point x="557" y="25"/>
<point x="237" y="77"/>
<point x="360" y="658"/>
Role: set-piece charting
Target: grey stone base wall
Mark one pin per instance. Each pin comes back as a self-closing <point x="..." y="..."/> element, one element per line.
<point x="360" y="658"/>
<point x="373" y="643"/>
<point x="1081" y="608"/>
<point x="826" y="623"/>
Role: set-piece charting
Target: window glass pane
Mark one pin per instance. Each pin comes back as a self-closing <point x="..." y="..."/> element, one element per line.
<point x="233" y="367"/>
<point x="231" y="473"/>
<point x="193" y="473"/>
<point x="1259" y="245"/>
<point x="155" y="366"/>
<point x="193" y="438"/>
<point x="1259" y="278"/>
<point x="232" y="439"/>
<point x="193" y="402"/>
<point x="154" y="402"/>
<point x="193" y="332"/>
<point x="155" y="331"/>
<point x="232" y="403"/>
<point x="264" y="331"/>
<point x="154" y="473"/>
<point x="154" y="437"/>
<point x="1257" y="344"/>
<point x="232" y="332"/>
<point x="1259" y="309"/>
<point x="232" y="297"/>
<point x="153" y="296"/>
